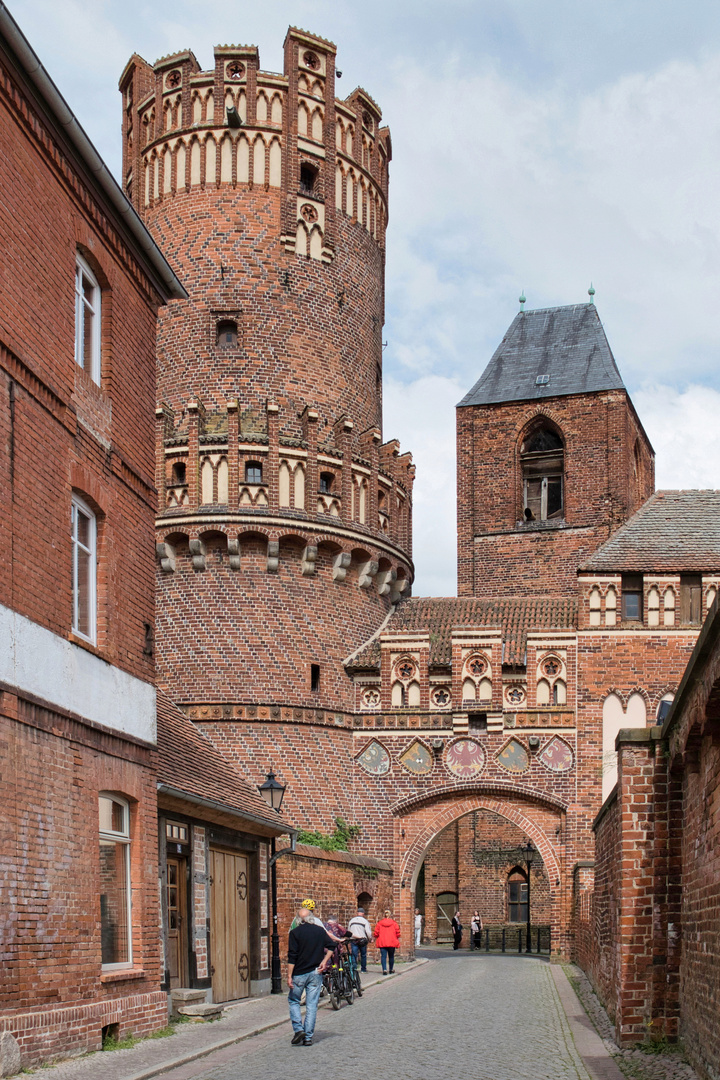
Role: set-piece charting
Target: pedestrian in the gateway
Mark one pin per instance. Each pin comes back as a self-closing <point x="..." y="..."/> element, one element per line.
<point x="362" y="933"/>
<point x="476" y="929"/>
<point x="418" y="927"/>
<point x="457" y="930"/>
<point x="387" y="938"/>
<point x="309" y="949"/>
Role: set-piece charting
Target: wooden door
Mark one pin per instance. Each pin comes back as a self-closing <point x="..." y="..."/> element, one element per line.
<point x="177" y="921"/>
<point x="229" y="948"/>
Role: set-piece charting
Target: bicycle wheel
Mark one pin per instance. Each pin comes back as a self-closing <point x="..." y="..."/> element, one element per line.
<point x="348" y="988"/>
<point x="358" y="984"/>
<point x="335" y="991"/>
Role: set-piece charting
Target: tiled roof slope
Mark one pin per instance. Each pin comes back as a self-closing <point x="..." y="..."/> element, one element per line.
<point x="188" y="761"/>
<point x="440" y="615"/>
<point x="566" y="343"/>
<point x="672" y="531"/>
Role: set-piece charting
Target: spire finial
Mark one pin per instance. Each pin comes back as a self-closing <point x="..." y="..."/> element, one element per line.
<point x="591" y="293"/>
<point x="521" y="298"/>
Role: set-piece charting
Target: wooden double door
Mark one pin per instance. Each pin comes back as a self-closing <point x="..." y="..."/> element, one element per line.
<point x="229" y="934"/>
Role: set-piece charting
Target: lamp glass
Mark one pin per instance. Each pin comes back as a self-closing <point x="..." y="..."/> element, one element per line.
<point x="272" y="791"/>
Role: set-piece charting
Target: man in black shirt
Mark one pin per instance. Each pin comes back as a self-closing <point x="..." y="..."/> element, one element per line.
<point x="309" y="949"/>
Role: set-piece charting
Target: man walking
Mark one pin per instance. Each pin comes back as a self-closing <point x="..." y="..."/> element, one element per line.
<point x="361" y="931"/>
<point x="309" y="948"/>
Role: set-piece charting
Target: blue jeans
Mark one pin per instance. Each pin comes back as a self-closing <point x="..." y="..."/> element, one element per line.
<point x="311" y="982"/>
<point x="359" y="948"/>
<point x="386" y="955"/>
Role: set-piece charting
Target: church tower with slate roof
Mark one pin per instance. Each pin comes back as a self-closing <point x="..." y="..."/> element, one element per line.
<point x="552" y="457"/>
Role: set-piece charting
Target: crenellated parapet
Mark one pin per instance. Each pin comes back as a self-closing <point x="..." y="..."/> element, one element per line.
<point x="242" y="463"/>
<point x="187" y="130"/>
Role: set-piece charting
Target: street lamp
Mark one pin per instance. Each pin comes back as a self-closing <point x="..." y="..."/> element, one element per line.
<point x="529" y="852"/>
<point x="273" y="792"/>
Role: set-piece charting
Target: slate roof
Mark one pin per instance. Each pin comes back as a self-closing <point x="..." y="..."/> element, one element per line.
<point x="566" y="343"/>
<point x="671" y="532"/>
<point x="188" y="762"/>
<point x="439" y="615"/>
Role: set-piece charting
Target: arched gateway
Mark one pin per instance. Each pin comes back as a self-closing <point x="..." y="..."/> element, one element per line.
<point x="419" y="820"/>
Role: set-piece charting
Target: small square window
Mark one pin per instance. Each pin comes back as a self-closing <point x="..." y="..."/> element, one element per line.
<point x="253" y="472"/>
<point x="542" y="380"/>
<point x="632" y="597"/>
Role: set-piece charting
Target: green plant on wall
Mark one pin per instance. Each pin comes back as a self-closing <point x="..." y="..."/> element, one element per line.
<point x="334" y="841"/>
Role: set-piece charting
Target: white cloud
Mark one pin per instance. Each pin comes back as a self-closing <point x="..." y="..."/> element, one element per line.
<point x="685" y="430"/>
<point x="422" y="415"/>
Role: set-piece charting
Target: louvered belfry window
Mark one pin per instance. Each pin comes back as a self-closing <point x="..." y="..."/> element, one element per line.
<point x="542" y="456"/>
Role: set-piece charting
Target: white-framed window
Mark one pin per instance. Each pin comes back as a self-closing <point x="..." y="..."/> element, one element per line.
<point x="87" y="319"/>
<point x="84" y="569"/>
<point x="115" y="887"/>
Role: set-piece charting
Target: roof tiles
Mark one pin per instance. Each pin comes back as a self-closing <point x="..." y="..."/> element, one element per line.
<point x="188" y="761"/>
<point x="566" y="344"/>
<point x="673" y="531"/>
<point x="440" y="615"/>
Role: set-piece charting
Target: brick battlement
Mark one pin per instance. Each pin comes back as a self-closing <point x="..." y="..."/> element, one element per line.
<point x="212" y="462"/>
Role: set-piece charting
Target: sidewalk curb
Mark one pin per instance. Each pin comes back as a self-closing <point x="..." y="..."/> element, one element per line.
<point x="595" y="1057"/>
<point x="188" y="1058"/>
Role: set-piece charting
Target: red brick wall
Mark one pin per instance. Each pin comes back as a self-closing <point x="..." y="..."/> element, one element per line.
<point x="60" y="432"/>
<point x="496" y="556"/>
<point x="334" y="880"/>
<point x="64" y="432"/>
<point x="54" y="996"/>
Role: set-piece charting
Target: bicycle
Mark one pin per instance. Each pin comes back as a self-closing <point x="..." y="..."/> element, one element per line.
<point x="338" y="980"/>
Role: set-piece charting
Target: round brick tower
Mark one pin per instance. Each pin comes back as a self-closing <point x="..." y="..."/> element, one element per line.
<point x="284" y="529"/>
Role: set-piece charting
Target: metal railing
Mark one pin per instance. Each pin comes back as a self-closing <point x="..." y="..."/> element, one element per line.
<point x="511" y="939"/>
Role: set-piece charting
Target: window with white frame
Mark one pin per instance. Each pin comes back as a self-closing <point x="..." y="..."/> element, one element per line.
<point x="84" y="569"/>
<point x="87" y="319"/>
<point x="115" y="891"/>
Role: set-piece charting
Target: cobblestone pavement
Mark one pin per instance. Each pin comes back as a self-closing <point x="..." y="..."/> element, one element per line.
<point x="666" y="1063"/>
<point x="460" y="1018"/>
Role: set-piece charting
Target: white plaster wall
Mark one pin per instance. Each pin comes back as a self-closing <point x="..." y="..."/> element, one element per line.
<point x="39" y="662"/>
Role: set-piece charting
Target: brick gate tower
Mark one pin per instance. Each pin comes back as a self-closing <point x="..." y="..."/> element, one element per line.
<point x="284" y="526"/>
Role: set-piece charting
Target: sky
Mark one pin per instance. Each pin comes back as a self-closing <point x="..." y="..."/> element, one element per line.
<point x="537" y="147"/>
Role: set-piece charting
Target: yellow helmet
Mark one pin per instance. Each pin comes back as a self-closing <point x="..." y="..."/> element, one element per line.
<point x="309" y="904"/>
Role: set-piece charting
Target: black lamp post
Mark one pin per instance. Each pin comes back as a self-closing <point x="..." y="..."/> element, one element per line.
<point x="273" y="792"/>
<point x="529" y="852"/>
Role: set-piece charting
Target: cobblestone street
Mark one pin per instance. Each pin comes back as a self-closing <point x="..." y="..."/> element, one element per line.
<point x="490" y="1018"/>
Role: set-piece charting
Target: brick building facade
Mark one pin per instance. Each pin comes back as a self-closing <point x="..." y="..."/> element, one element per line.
<point x="81" y="285"/>
<point x="278" y="497"/>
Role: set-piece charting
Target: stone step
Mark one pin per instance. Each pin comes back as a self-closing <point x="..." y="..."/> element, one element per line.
<point x="207" y="1011"/>
<point x="184" y="995"/>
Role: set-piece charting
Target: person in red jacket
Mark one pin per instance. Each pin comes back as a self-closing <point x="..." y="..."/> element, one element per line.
<point x="387" y="938"/>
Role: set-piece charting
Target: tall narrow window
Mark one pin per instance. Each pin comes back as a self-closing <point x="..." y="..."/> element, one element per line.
<point x="517" y="897"/>
<point x="314" y="677"/>
<point x="308" y="176"/>
<point x="115" y="913"/>
<point x="691" y="598"/>
<point x="542" y="459"/>
<point x="84" y="569"/>
<point x="87" y="319"/>
<point x="632" y="597"/>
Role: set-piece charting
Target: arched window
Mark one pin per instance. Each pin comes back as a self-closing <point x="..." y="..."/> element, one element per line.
<point x="115" y="925"/>
<point x="517" y="896"/>
<point x="542" y="460"/>
<point x="227" y="333"/>
<point x="253" y="472"/>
